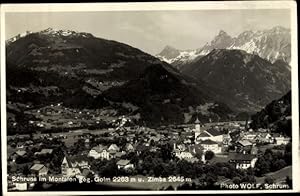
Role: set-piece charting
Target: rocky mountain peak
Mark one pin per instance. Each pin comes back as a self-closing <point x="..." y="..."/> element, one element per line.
<point x="64" y="33"/>
<point x="169" y="52"/>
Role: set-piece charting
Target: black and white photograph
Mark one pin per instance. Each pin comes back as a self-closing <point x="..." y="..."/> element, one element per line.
<point x="149" y="97"/>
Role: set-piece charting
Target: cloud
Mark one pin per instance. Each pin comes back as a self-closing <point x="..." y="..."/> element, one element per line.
<point x="152" y="30"/>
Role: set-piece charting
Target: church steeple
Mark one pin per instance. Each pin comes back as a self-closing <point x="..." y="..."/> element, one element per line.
<point x="197" y="121"/>
<point x="197" y="129"/>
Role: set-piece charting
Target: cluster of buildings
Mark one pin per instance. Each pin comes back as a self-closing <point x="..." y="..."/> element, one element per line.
<point x="238" y="146"/>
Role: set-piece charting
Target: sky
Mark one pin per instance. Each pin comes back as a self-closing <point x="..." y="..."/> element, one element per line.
<point x="151" y="31"/>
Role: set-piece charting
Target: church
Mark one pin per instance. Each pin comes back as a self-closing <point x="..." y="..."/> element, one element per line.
<point x="209" y="134"/>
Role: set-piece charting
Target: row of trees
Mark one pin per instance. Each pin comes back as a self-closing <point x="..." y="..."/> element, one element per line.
<point x="272" y="160"/>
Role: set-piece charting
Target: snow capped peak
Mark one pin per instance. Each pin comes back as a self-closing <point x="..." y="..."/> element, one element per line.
<point x="15" y="38"/>
<point x="271" y="44"/>
<point x="52" y="31"/>
<point x="279" y="29"/>
<point x="64" y="33"/>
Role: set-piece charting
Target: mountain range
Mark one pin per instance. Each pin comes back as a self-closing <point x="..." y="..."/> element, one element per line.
<point x="272" y="44"/>
<point x="83" y="71"/>
<point x="245" y="82"/>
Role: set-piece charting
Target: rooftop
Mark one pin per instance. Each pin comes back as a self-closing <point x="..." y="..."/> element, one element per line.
<point x="208" y="142"/>
<point x="214" y="132"/>
<point x="245" y="142"/>
<point x="45" y="151"/>
<point x="203" y="134"/>
<point x="21" y="152"/>
<point x="99" y="148"/>
<point x="37" y="167"/>
<point x="123" y="162"/>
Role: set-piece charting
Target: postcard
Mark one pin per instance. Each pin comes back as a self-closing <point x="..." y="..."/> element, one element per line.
<point x="149" y="98"/>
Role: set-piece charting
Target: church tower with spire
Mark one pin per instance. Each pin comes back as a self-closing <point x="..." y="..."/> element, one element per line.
<point x="197" y="129"/>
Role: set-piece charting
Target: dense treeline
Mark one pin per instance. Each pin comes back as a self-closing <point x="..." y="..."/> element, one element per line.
<point x="273" y="160"/>
<point x="275" y="116"/>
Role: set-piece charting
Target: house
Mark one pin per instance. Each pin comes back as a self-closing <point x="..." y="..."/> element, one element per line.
<point x="73" y="165"/>
<point x="281" y="140"/>
<point x="209" y="145"/>
<point x="130" y="137"/>
<point x="29" y="142"/>
<point x="187" y="141"/>
<point x="243" y="145"/>
<point x="113" y="147"/>
<point x="21" y="185"/>
<point x="183" y="154"/>
<point x="250" y="135"/>
<point x="129" y="147"/>
<point x="87" y="142"/>
<point x="124" y="164"/>
<point x="264" y="138"/>
<point x="39" y="169"/>
<point x="100" y="152"/>
<point x="181" y="147"/>
<point x="20" y="145"/>
<point x="191" y="160"/>
<point x="119" y="154"/>
<point x="242" y="160"/>
<point x="18" y="153"/>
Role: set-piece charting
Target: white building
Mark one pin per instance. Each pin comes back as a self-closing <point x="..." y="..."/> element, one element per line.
<point x="21" y="186"/>
<point x="39" y="169"/>
<point x="124" y="164"/>
<point x="183" y="154"/>
<point x="209" y="145"/>
<point x="72" y="166"/>
<point x="281" y="140"/>
<point x="113" y="147"/>
<point x="243" y="161"/>
<point x="100" y="152"/>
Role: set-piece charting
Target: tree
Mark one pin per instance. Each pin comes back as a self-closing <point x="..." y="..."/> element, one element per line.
<point x="269" y="180"/>
<point x="262" y="166"/>
<point x="166" y="152"/>
<point x="236" y="180"/>
<point x="209" y="155"/>
<point x="278" y="164"/>
<point x="199" y="152"/>
<point x="26" y="170"/>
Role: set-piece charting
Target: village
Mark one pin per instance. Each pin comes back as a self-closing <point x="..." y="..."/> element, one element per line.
<point x="130" y="150"/>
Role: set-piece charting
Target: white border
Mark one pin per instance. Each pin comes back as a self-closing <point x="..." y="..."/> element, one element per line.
<point x="157" y="6"/>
